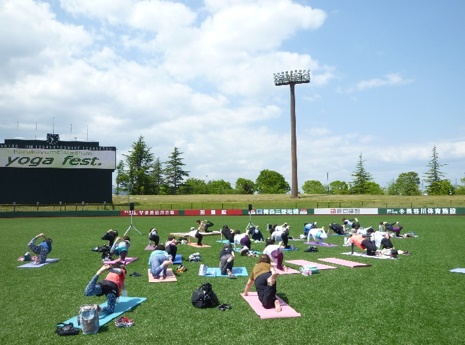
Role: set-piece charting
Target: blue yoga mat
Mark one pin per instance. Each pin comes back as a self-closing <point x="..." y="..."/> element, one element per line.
<point x="238" y="250"/>
<point x="290" y="248"/>
<point x="124" y="304"/>
<point x="33" y="265"/>
<point x="178" y="259"/>
<point x="237" y="271"/>
<point x="223" y="241"/>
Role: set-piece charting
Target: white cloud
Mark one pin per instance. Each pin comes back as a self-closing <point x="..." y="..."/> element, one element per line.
<point x="200" y="79"/>
<point x="393" y="79"/>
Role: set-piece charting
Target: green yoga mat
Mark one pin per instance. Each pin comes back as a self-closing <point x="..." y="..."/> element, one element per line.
<point x="124" y="304"/>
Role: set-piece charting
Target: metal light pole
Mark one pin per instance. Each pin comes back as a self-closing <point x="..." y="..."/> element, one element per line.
<point x="292" y="78"/>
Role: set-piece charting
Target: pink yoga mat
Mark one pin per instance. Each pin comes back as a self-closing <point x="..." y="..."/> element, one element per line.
<point x="346" y="263"/>
<point x="197" y="246"/>
<point x="150" y="247"/>
<point x="287" y="271"/>
<point x="170" y="277"/>
<point x="256" y="305"/>
<point x="306" y="262"/>
<point x="127" y="261"/>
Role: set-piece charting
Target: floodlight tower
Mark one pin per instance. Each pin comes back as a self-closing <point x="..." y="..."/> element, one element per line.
<point x="292" y="78"/>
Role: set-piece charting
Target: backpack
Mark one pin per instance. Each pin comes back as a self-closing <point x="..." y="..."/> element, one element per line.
<point x="204" y="297"/>
<point x="195" y="257"/>
<point x="88" y="318"/>
<point x="312" y="249"/>
<point x="67" y="329"/>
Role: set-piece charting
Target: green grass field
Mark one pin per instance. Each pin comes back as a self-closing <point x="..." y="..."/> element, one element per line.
<point x="412" y="300"/>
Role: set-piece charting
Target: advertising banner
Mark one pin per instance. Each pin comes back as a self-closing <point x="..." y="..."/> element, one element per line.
<point x="348" y="211"/>
<point x="57" y="158"/>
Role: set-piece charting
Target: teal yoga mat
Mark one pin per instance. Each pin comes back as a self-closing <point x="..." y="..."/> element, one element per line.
<point x="237" y="271"/>
<point x="124" y="304"/>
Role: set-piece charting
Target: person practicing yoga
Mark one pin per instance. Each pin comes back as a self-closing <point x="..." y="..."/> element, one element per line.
<point x="308" y="227"/>
<point x="159" y="261"/>
<point x="120" y="247"/>
<point x="154" y="237"/>
<point x="281" y="233"/>
<point x="204" y="225"/>
<point x="264" y="276"/>
<point x="112" y="286"/>
<point x="227" y="233"/>
<point x="227" y="257"/>
<point x="363" y="242"/>
<point x="275" y="253"/>
<point x="336" y="228"/>
<point x="393" y="227"/>
<point x="42" y="249"/>
<point x="171" y="247"/>
<point x="318" y="234"/>
<point x="242" y="239"/>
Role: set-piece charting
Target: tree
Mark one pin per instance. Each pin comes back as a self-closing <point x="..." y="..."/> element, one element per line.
<point x="271" y="182"/>
<point x="361" y="178"/>
<point x="313" y="187"/>
<point x="194" y="186"/>
<point x="139" y="162"/>
<point x="156" y="177"/>
<point x="460" y="190"/>
<point x="219" y="187"/>
<point x="244" y="186"/>
<point x="122" y="178"/>
<point x="373" y="188"/>
<point x="406" y="184"/>
<point x="434" y="175"/>
<point x="174" y="173"/>
<point x="338" y="187"/>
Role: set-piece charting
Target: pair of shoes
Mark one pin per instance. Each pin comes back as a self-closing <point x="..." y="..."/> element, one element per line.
<point x="224" y="307"/>
<point x="123" y="321"/>
<point x="135" y="274"/>
<point x="181" y="269"/>
<point x="232" y="276"/>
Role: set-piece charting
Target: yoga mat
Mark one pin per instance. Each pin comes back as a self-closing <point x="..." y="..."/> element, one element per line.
<point x="346" y="263"/>
<point x="197" y="246"/>
<point x="321" y="244"/>
<point x="124" y="304"/>
<point x="32" y="265"/>
<point x="256" y="305"/>
<point x="127" y="261"/>
<point x="458" y="270"/>
<point x="177" y="259"/>
<point x="290" y="249"/>
<point x="170" y="277"/>
<point x="363" y="255"/>
<point x="238" y="250"/>
<point x="150" y="247"/>
<point x="237" y="271"/>
<point x="287" y="271"/>
<point x="310" y="263"/>
<point x="223" y="241"/>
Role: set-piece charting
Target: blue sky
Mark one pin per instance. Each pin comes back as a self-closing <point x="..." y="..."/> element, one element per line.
<point x="386" y="82"/>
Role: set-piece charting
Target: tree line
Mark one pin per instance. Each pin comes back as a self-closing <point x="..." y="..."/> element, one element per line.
<point x="140" y="173"/>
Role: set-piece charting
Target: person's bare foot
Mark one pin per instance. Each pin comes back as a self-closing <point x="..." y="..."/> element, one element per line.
<point x="272" y="279"/>
<point x="277" y="306"/>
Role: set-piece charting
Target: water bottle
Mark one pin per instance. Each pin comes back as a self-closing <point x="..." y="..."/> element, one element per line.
<point x="214" y="274"/>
